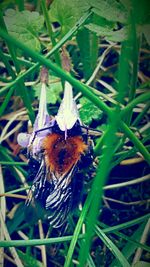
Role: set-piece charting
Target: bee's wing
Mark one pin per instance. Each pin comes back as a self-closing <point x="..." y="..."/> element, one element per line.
<point x="59" y="202"/>
<point x="50" y="197"/>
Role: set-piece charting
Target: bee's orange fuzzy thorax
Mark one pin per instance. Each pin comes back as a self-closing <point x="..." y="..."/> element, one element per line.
<point x="62" y="154"/>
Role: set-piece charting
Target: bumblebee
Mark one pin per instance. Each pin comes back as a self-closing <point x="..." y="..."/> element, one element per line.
<point x="59" y="148"/>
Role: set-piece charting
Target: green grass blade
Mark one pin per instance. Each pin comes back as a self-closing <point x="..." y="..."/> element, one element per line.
<point x="112" y="247"/>
<point x="129" y="248"/>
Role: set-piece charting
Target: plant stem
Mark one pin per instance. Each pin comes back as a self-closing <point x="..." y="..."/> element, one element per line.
<point x="50" y="32"/>
<point x="7" y="64"/>
<point x="6" y="101"/>
<point x="103" y="170"/>
<point x="36" y="242"/>
<point x="133" y="103"/>
<point x="141" y="115"/>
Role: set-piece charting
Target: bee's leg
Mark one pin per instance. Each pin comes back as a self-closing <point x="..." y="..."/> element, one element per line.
<point x="90" y="131"/>
<point x="40" y="130"/>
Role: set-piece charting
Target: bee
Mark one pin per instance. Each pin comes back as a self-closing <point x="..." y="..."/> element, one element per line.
<point x="59" y="148"/>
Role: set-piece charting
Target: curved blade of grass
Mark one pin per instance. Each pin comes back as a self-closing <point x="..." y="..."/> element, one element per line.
<point x="134" y="242"/>
<point x="141" y="115"/>
<point x="126" y="224"/>
<point x="129" y="248"/>
<point x="112" y="247"/>
<point x="138" y="144"/>
<point x="6" y="100"/>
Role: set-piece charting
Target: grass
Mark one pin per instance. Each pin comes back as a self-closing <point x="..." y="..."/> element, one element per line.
<point x="124" y="125"/>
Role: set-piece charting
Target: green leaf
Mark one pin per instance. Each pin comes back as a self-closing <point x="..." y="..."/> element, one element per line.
<point x="28" y="260"/>
<point x="67" y="12"/>
<point x="53" y="91"/>
<point x="108" y="33"/>
<point x="25" y="26"/>
<point x="110" y="10"/>
<point x="88" y="111"/>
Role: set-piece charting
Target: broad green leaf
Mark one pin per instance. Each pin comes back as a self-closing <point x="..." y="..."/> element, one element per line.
<point x="53" y="91"/>
<point x="28" y="260"/>
<point x="88" y="111"/>
<point x="67" y="12"/>
<point x="25" y="26"/>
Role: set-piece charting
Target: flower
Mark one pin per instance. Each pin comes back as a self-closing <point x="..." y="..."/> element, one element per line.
<point x="42" y="126"/>
<point x="67" y="114"/>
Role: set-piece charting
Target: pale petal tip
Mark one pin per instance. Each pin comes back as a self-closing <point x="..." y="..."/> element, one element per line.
<point x="23" y="139"/>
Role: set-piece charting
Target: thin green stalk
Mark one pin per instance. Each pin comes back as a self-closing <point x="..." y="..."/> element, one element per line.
<point x="99" y="145"/>
<point x="141" y="115"/>
<point x="6" y="100"/>
<point x="77" y="84"/>
<point x="18" y="190"/>
<point x="97" y="187"/>
<point x="21" y="87"/>
<point x="20" y="60"/>
<point x="122" y="226"/>
<point x="138" y="144"/>
<point x="10" y="47"/>
<point x="77" y="231"/>
<point x="36" y="242"/>
<point x="7" y="64"/>
<point x="6" y="155"/>
<point x="133" y="103"/>
<point x="13" y="163"/>
<point x="135" y="44"/>
<point x="50" y="32"/>
<point x="128" y="66"/>
<point x="31" y="231"/>
<point x="20" y="4"/>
